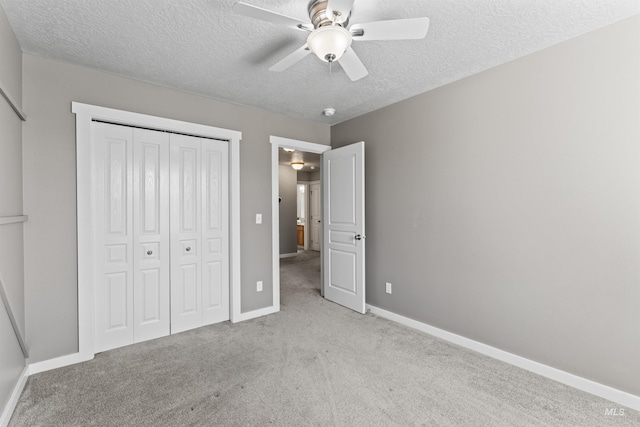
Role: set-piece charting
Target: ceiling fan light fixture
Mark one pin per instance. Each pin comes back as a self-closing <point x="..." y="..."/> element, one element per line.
<point x="329" y="42"/>
<point x="297" y="165"/>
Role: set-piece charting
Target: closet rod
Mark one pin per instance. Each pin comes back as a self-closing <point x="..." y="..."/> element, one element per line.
<point x="12" y="103"/>
<point x="12" y="219"/>
<point x="12" y="319"/>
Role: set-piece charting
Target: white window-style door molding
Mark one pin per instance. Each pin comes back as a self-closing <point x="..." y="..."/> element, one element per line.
<point x="85" y="115"/>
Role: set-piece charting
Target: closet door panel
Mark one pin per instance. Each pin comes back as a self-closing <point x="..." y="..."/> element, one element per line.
<point x="215" y="226"/>
<point x="161" y="250"/>
<point x="113" y="269"/>
<point x="151" y="234"/>
<point x="186" y="260"/>
<point x="149" y="305"/>
<point x="189" y="297"/>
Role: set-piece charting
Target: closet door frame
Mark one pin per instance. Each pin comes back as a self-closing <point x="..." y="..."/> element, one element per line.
<point x="85" y="115"/>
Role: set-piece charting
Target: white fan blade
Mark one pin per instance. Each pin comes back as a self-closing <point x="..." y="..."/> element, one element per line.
<point x="291" y="59"/>
<point x="352" y="65"/>
<point x="266" y="15"/>
<point x="397" y="29"/>
<point x="343" y="7"/>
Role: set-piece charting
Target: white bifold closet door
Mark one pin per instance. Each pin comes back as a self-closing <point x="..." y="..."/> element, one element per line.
<point x="199" y="232"/>
<point x="132" y="235"/>
<point x="161" y="240"/>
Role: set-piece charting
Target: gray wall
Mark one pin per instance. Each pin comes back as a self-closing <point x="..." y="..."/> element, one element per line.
<point x="11" y="242"/>
<point x="309" y="176"/>
<point x="288" y="210"/>
<point x="50" y="182"/>
<point x="505" y="207"/>
<point x="304" y="176"/>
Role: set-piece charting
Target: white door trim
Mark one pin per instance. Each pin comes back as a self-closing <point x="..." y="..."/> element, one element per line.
<point x="276" y="143"/>
<point x="306" y="211"/>
<point x="85" y="114"/>
<point x="310" y="223"/>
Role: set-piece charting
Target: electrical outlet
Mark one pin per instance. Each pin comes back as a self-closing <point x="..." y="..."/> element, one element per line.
<point x="388" y="287"/>
<point x="259" y="286"/>
<point x="258" y="218"/>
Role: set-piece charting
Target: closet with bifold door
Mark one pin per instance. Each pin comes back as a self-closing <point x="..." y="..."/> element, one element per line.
<point x="161" y="240"/>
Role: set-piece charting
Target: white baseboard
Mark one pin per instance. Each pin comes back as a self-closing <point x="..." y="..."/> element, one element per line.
<point x="13" y="400"/>
<point x="35" y="368"/>
<point x="288" y="255"/>
<point x="255" y="313"/>
<point x="614" y="395"/>
<point x="58" y="362"/>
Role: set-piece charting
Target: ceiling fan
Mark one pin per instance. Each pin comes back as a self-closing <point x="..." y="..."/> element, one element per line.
<point x="331" y="36"/>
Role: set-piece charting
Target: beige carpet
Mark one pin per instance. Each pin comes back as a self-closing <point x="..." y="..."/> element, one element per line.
<point x="314" y="363"/>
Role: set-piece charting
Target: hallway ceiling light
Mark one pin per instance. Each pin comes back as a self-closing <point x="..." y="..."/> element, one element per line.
<point x="297" y="165"/>
<point x="288" y="150"/>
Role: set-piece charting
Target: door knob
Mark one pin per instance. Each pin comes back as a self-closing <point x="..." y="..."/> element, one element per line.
<point x="188" y="249"/>
<point x="360" y="237"/>
<point x="149" y="252"/>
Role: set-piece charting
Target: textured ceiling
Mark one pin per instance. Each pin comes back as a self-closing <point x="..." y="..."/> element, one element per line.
<point x="201" y="46"/>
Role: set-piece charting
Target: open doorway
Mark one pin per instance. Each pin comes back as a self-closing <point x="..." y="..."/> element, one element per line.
<point x="293" y="218"/>
<point x="342" y="247"/>
<point x="299" y="199"/>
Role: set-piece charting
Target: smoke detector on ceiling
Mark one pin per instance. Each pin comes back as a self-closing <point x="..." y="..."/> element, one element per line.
<point x="329" y="112"/>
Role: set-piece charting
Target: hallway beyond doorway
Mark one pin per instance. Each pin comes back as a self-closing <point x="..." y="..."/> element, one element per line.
<point x="299" y="274"/>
